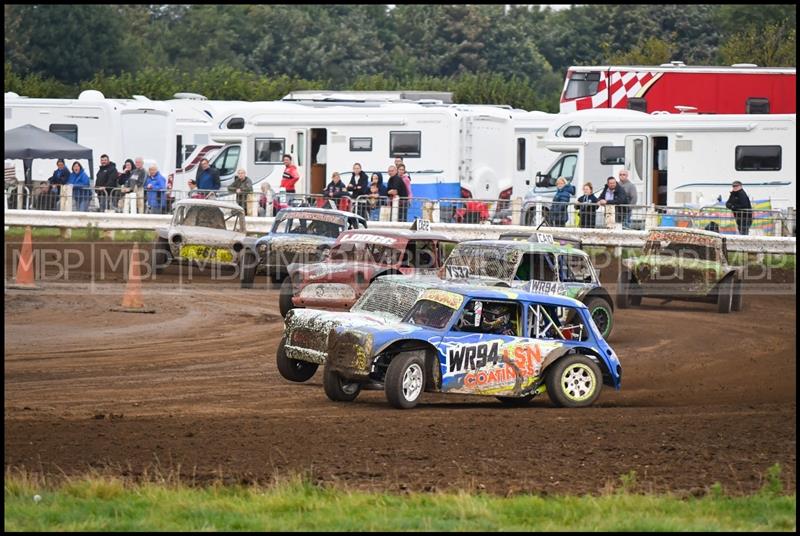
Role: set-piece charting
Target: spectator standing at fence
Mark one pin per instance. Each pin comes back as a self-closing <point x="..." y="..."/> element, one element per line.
<point x="266" y="192"/>
<point x="194" y="193"/>
<point x="377" y="178"/>
<point x="374" y="202"/>
<point x="558" y="209"/>
<point x="290" y="175"/>
<point x="739" y="203"/>
<point x="336" y="189"/>
<point x="155" y="185"/>
<point x="401" y="170"/>
<point x="55" y="182"/>
<point x="141" y="174"/>
<point x="613" y="194"/>
<point x="207" y="177"/>
<point x="127" y="184"/>
<point x="587" y="207"/>
<point x="630" y="192"/>
<point x="105" y="182"/>
<point x="396" y="187"/>
<point x="359" y="182"/>
<point x="241" y="186"/>
<point x="81" y="192"/>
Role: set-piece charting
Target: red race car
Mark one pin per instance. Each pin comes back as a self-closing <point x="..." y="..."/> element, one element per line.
<point x="356" y="259"/>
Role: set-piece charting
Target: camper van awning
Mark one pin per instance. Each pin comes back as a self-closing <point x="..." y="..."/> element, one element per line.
<point x="28" y="142"/>
<point x="673" y="127"/>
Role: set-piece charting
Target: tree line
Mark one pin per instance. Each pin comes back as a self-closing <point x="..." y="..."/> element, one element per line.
<point x="491" y="54"/>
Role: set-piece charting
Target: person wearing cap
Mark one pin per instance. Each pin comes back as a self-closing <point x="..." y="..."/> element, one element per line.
<point x="739" y="204"/>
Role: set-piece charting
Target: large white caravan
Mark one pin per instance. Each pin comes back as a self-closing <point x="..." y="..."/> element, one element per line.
<point x="120" y="128"/>
<point x="532" y="156"/>
<point x="449" y="150"/>
<point x="676" y="159"/>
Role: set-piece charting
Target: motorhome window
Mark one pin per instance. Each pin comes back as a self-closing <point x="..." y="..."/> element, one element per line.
<point x="582" y="85"/>
<point x="564" y="167"/>
<point x="568" y="168"/>
<point x="69" y="132"/>
<point x="360" y="144"/>
<point x="573" y="131"/>
<point x="637" y="103"/>
<point x="227" y="160"/>
<point x="236" y="123"/>
<point x="758" y="158"/>
<point x="269" y="150"/>
<point x="757" y="105"/>
<point x="405" y="144"/>
<point x="612" y="155"/>
<point x="520" y="154"/>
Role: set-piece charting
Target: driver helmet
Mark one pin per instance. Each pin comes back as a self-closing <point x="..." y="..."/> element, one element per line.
<point x="496" y="316"/>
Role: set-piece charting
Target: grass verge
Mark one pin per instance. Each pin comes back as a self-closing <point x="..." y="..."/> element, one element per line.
<point x="102" y="503"/>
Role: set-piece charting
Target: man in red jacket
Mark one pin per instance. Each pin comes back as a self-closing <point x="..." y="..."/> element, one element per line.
<point x="290" y="175"/>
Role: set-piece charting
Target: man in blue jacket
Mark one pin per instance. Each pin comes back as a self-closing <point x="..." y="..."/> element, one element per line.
<point x="155" y="185"/>
<point x="207" y="177"/>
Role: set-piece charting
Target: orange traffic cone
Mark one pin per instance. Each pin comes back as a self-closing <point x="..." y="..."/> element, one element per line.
<point x="132" y="301"/>
<point x="24" y="279"/>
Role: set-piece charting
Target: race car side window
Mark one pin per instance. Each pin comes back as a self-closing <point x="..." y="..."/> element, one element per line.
<point x="281" y="226"/>
<point x="545" y="322"/>
<point x="537" y="266"/>
<point x="445" y="249"/>
<point x="490" y="317"/>
<point x="578" y="268"/>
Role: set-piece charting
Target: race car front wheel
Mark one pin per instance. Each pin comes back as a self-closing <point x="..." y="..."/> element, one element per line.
<point x="574" y="381"/>
<point x="725" y="296"/>
<point x="405" y="379"/>
<point x="336" y="388"/>
<point x="602" y="316"/>
<point x="293" y="370"/>
<point x="248" y="269"/>
<point x="736" y="305"/>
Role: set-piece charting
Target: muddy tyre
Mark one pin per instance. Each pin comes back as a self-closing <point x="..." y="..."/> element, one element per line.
<point x="736" y="304"/>
<point x="247" y="267"/>
<point x="405" y="380"/>
<point x="601" y="313"/>
<point x="161" y="255"/>
<point x="623" y="286"/>
<point x="336" y="388"/>
<point x="285" y="301"/>
<point x="515" y="401"/>
<point x="725" y="296"/>
<point x="574" y="381"/>
<point x="293" y="370"/>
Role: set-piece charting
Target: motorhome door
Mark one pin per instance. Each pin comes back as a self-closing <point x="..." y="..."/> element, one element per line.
<point x="300" y="149"/>
<point x="637" y="162"/>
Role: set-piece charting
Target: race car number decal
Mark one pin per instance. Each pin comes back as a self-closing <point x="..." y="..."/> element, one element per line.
<point x="546" y="287"/>
<point x="369" y="239"/>
<point x="457" y="272"/>
<point x="206" y="253"/>
<point x="448" y="299"/>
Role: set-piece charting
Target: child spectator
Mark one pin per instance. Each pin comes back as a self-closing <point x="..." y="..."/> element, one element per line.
<point x="374" y="202"/>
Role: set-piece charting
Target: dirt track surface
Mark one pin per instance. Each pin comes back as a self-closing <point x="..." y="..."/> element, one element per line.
<point x="194" y="388"/>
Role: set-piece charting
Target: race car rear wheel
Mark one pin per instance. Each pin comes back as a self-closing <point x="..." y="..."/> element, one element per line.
<point x="736" y="305"/>
<point x="247" y="267"/>
<point x="515" y="401"/>
<point x="601" y="313"/>
<point x="725" y="296"/>
<point x="574" y="381"/>
<point x="293" y="370"/>
<point x="285" y="301"/>
<point x="336" y="388"/>
<point x="161" y="255"/>
<point x="405" y="380"/>
<point x="623" y="284"/>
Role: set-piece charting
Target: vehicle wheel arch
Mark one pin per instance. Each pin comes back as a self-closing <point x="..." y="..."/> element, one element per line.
<point x="592" y="354"/>
<point x="433" y="376"/>
<point x="599" y="292"/>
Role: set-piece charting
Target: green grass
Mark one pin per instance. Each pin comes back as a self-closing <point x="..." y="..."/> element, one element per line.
<point x="87" y="234"/>
<point x="101" y="504"/>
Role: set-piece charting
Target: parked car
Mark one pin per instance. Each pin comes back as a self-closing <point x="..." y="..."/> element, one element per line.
<point x="536" y="265"/>
<point x="298" y="235"/>
<point x="358" y="258"/>
<point x="682" y="264"/>
<point x="499" y="342"/>
<point x="201" y="231"/>
<point x="304" y="345"/>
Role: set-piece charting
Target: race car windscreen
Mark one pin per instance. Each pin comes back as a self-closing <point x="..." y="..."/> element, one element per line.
<point x="430" y="314"/>
<point x="388" y="297"/>
<point x="209" y="217"/>
<point x="365" y="252"/>
<point x="492" y="261"/>
<point x="681" y="250"/>
<point x="329" y="227"/>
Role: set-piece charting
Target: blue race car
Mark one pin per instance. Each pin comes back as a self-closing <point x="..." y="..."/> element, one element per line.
<point x="463" y="339"/>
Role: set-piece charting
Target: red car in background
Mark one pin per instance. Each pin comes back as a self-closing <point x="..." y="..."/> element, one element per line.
<point x="355" y="260"/>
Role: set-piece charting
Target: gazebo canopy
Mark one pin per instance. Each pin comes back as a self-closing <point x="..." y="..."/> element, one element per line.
<point x="29" y="142"/>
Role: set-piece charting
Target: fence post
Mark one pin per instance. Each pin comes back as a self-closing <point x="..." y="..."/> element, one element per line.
<point x="139" y="200"/>
<point x="436" y="212"/>
<point x="268" y="204"/>
<point x="608" y="216"/>
<point x="251" y="204"/>
<point x="66" y="205"/>
<point x="650" y="217"/>
<point x="516" y="212"/>
<point x="20" y="195"/>
<point x="395" y="208"/>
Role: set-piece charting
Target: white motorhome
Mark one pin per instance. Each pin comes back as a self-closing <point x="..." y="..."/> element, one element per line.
<point x="530" y="129"/>
<point x="449" y="150"/>
<point x="120" y="128"/>
<point x="676" y="159"/>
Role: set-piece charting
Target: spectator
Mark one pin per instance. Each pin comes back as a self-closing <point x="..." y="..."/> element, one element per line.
<point x="127" y="183"/>
<point x="558" y="209"/>
<point x="374" y="202"/>
<point x="336" y="189"/>
<point x="141" y="174"/>
<point x="290" y="175"/>
<point x="739" y="203"/>
<point x="612" y="194"/>
<point x="588" y="207"/>
<point x="59" y="178"/>
<point x="155" y="184"/>
<point x="194" y="193"/>
<point x="630" y="192"/>
<point x="266" y="192"/>
<point x="170" y="193"/>
<point x="377" y="177"/>
<point x="359" y="182"/>
<point x="207" y="177"/>
<point x="401" y="170"/>
<point x="105" y="182"/>
<point x="396" y="188"/>
<point x="81" y="193"/>
<point x="241" y="186"/>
